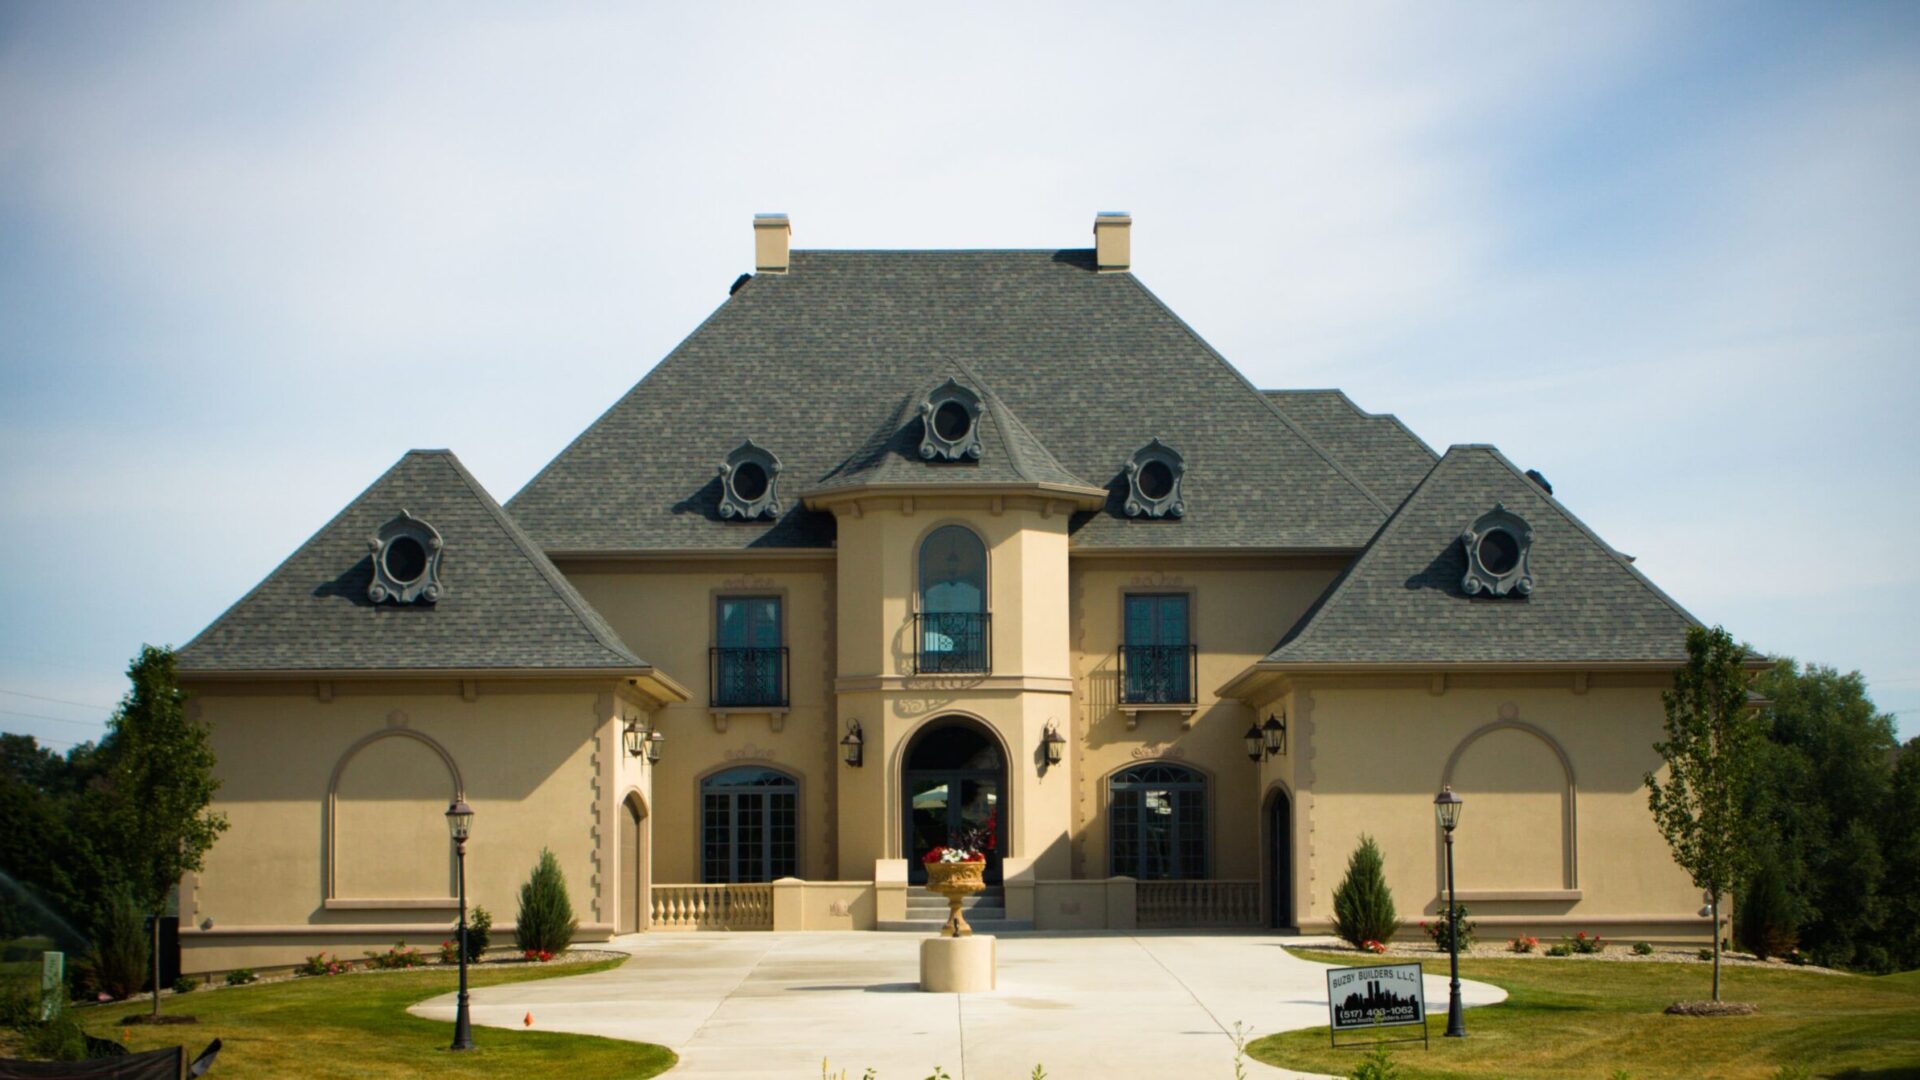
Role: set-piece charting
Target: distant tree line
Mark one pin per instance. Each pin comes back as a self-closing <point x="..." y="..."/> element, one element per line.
<point x="1834" y="805"/>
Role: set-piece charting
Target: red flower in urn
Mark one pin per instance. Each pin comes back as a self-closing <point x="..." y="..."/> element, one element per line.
<point x="969" y="844"/>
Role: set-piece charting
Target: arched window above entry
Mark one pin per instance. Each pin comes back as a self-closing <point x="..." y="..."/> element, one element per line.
<point x="749" y="825"/>
<point x="1157" y="822"/>
<point x="952" y="626"/>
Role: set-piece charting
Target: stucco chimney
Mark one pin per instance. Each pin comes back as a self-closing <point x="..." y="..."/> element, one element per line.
<point x="771" y="233"/>
<point x="1112" y="249"/>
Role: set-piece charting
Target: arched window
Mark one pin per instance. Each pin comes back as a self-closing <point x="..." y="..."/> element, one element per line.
<point x="749" y="825"/>
<point x="1157" y="823"/>
<point x="953" y="602"/>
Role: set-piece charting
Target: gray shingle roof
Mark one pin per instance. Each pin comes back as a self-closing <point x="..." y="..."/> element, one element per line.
<point x="821" y="364"/>
<point x="1400" y="602"/>
<point x="505" y="605"/>
<point x="1388" y="457"/>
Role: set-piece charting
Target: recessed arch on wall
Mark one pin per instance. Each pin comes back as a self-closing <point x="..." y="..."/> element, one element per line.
<point x="455" y="790"/>
<point x="1507" y="799"/>
<point x="636" y="872"/>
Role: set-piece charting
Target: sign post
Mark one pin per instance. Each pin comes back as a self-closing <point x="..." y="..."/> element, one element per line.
<point x="1381" y="996"/>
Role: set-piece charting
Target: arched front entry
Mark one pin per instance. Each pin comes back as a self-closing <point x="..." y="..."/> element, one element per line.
<point x="1279" y="829"/>
<point x="634" y="899"/>
<point x="954" y="778"/>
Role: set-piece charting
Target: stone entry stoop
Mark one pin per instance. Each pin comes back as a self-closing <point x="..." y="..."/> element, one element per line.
<point x="986" y="912"/>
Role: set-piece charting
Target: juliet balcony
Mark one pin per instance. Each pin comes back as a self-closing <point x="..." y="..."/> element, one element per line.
<point x="743" y="677"/>
<point x="953" y="643"/>
<point x="1158" y="674"/>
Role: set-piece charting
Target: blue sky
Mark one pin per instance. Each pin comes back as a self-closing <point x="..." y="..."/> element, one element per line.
<point x="249" y="254"/>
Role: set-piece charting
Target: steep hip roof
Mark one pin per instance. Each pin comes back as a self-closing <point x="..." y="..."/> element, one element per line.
<point x="1401" y="601"/>
<point x="504" y="606"/>
<point x="820" y="363"/>
<point x="1388" y="457"/>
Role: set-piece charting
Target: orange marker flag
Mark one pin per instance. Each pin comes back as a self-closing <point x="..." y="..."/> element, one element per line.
<point x="529" y="1020"/>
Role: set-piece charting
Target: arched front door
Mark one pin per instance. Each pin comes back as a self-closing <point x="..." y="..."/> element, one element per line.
<point x="1279" y="861"/>
<point x="955" y="779"/>
<point x="633" y="862"/>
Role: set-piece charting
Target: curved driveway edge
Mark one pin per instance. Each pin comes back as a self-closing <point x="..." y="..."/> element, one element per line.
<point x="1092" y="1005"/>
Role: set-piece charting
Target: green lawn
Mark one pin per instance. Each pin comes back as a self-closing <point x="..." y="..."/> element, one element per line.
<point x="1590" y="1018"/>
<point x="358" y="1026"/>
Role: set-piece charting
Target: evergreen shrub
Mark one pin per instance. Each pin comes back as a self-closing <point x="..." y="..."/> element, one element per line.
<point x="546" y="922"/>
<point x="1363" y="905"/>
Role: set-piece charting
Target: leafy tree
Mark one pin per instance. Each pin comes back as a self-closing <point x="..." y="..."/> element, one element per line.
<point x="47" y="863"/>
<point x="546" y="923"/>
<point x="1711" y="750"/>
<point x="1363" y="905"/>
<point x="1901" y="847"/>
<point x="149" y="810"/>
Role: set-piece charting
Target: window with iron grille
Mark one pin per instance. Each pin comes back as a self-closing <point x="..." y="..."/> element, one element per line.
<point x="749" y="827"/>
<point x="1157" y="822"/>
<point x="749" y="665"/>
<point x="1158" y="656"/>
<point x="952" y="629"/>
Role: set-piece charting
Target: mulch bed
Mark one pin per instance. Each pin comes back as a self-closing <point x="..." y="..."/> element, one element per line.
<point x="1712" y="1008"/>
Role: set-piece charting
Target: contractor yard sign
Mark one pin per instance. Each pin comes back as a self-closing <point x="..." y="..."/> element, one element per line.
<point x="1381" y="996"/>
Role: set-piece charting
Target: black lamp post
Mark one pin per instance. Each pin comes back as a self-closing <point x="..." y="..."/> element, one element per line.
<point x="1446" y="807"/>
<point x="459" y="824"/>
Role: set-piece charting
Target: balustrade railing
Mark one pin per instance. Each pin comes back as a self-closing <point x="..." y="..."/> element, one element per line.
<point x="746" y="906"/>
<point x="1167" y="904"/>
<point x="747" y="677"/>
<point x="952" y="642"/>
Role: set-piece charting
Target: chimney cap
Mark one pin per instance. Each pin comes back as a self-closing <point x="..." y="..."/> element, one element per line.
<point x="1114" y="214"/>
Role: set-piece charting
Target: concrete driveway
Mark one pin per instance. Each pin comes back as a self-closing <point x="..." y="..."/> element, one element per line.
<point x="1084" y="1005"/>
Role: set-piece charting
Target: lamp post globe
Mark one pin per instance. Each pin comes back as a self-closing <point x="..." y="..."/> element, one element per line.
<point x="459" y="827"/>
<point x="1446" y="810"/>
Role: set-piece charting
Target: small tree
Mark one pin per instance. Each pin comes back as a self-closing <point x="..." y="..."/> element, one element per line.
<point x="149" y="811"/>
<point x="1711" y="750"/>
<point x="1363" y="905"/>
<point x="546" y="922"/>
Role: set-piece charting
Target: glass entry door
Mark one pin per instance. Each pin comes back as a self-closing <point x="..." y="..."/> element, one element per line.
<point x="955" y="780"/>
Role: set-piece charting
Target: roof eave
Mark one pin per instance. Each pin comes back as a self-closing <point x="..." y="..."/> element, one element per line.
<point x="228" y="675"/>
<point x="1082" y="498"/>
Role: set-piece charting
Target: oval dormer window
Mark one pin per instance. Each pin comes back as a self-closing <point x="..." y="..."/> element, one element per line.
<point x="749" y="483"/>
<point x="1153" y="482"/>
<point x="406" y="562"/>
<point x="1498" y="545"/>
<point x="950" y="421"/>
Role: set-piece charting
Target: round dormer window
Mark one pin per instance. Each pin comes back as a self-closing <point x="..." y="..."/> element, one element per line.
<point x="952" y="420"/>
<point x="749" y="481"/>
<point x="404" y="559"/>
<point x="1499" y="551"/>
<point x="1156" y="479"/>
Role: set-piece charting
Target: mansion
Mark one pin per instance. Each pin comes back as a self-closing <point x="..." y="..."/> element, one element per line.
<point x="901" y="543"/>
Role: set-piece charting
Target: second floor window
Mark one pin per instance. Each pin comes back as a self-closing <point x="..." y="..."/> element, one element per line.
<point x="1157" y="658"/>
<point x="750" y="663"/>
<point x="952" y="624"/>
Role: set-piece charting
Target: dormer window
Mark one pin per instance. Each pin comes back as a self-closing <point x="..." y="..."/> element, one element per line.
<point x="1497" y="546"/>
<point x="1153" y="482"/>
<point x="749" y="480"/>
<point x="951" y="418"/>
<point x="406" y="562"/>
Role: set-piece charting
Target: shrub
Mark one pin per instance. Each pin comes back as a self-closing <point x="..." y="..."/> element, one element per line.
<point x="185" y="984"/>
<point x="1375" y="947"/>
<point x="322" y="964"/>
<point x="1705" y="954"/>
<point x="117" y="960"/>
<point x="449" y="951"/>
<point x="1378" y="1066"/>
<point x="397" y="957"/>
<point x="57" y="1039"/>
<point x="1363" y="905"/>
<point x="1440" y="930"/>
<point x="241" y="976"/>
<point x="1523" y="944"/>
<point x="479" y="934"/>
<point x="1586" y="944"/>
<point x="1560" y="950"/>
<point x="546" y="922"/>
<point x="539" y="956"/>
<point x="1768" y="919"/>
<point x="1642" y="948"/>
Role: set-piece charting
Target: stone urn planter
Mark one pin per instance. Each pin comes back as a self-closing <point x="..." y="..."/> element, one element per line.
<point x="956" y="880"/>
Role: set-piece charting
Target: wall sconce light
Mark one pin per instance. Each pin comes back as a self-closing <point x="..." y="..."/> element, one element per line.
<point x="654" y="741"/>
<point x="636" y="737"/>
<point x="1275" y="733"/>
<point x="1054" y="744"/>
<point x="853" y="745"/>
<point x="1256" y="744"/>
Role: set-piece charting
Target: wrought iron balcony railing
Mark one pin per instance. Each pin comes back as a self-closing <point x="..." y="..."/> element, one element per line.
<point x="952" y="642"/>
<point x="1158" y="674"/>
<point x="747" y="677"/>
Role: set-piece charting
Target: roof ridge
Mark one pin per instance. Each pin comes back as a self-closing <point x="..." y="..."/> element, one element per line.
<point x="589" y="618"/>
<point x="1348" y="401"/>
<point x="1208" y="348"/>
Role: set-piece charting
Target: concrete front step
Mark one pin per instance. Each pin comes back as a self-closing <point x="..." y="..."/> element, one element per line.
<point x="980" y="926"/>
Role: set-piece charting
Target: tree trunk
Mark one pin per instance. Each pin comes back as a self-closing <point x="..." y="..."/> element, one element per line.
<point x="1716" y="946"/>
<point x="156" y="965"/>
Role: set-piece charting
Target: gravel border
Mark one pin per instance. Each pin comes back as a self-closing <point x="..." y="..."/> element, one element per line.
<point x="216" y="983"/>
<point x="1614" y="952"/>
